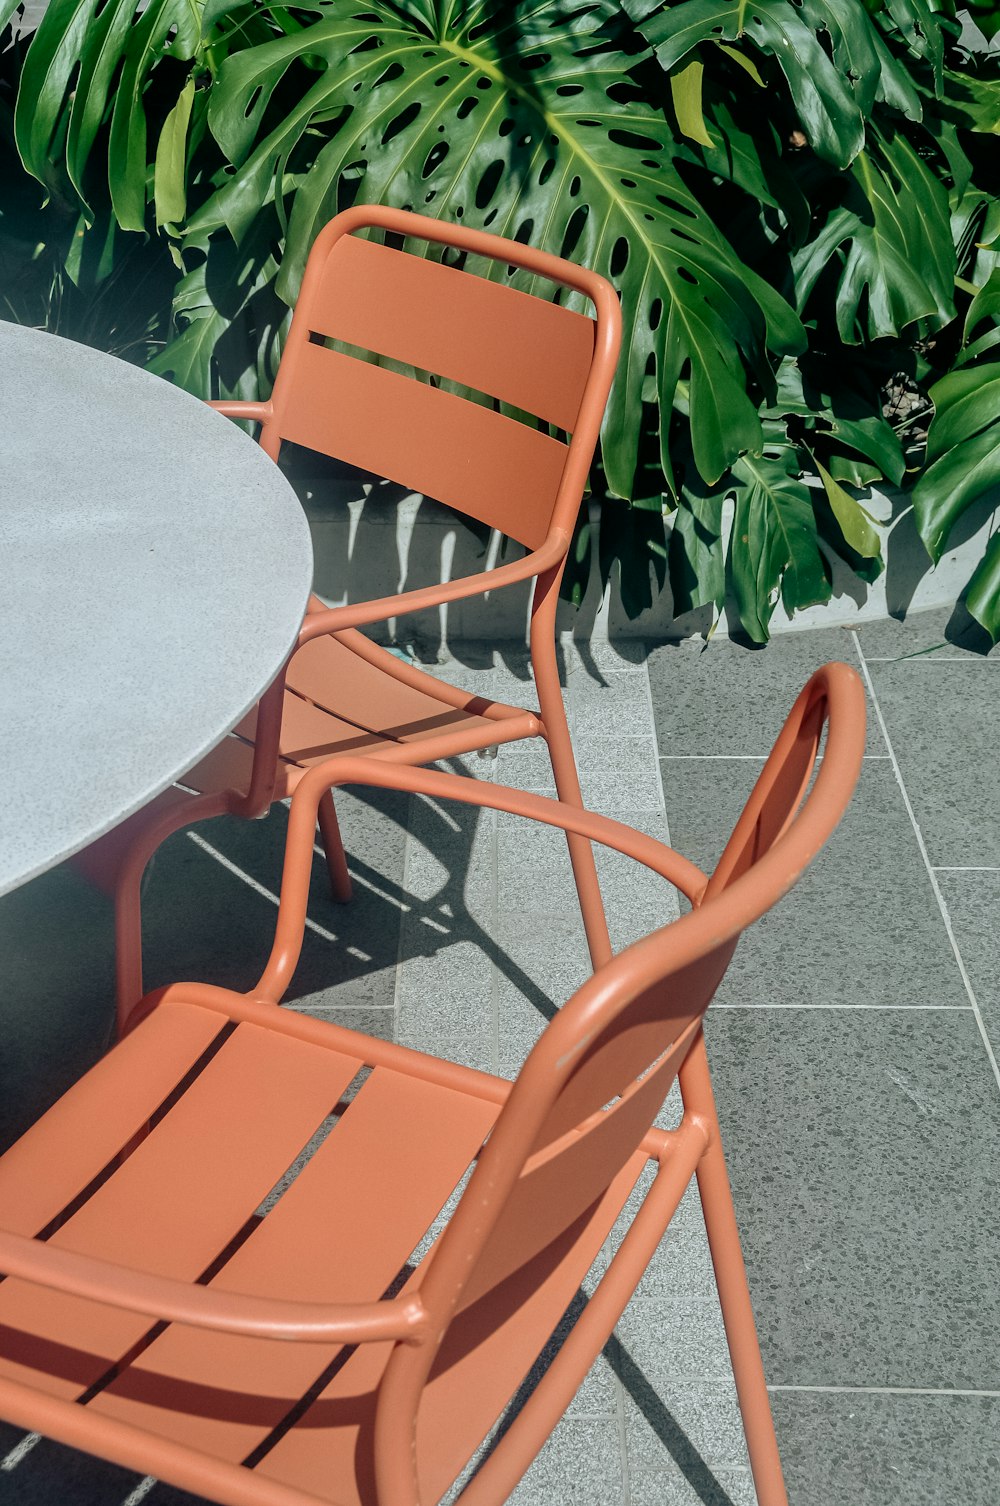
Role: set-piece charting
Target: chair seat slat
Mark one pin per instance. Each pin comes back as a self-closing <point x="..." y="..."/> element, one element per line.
<point x="181" y="1196"/>
<point x="330" y="675"/>
<point x="346" y="1225"/>
<point x="55" y="1160"/>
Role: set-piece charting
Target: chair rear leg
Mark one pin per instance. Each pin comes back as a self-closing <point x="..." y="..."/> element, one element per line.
<point x="333" y="847"/>
<point x="734" y="1293"/>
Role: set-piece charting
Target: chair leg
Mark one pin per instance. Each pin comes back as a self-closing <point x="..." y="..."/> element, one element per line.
<point x="581" y="852"/>
<point x="333" y="847"/>
<point x="128" y="943"/>
<point x="734" y="1293"/>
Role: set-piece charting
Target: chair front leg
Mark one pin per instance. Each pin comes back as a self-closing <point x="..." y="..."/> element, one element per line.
<point x="731" y="1279"/>
<point x="567" y="782"/>
<point x="333" y="847"/>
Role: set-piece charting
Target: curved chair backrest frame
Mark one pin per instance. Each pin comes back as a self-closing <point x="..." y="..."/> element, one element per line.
<point x="372" y="299"/>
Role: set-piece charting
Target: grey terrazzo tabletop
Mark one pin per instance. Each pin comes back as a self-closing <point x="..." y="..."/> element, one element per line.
<point x="154" y="569"/>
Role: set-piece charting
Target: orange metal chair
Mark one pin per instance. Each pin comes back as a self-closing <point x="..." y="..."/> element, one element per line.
<point x="316" y="1349"/>
<point x="341" y="692"/>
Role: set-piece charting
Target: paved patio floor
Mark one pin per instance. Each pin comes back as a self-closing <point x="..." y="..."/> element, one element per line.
<point x="853" y="1045"/>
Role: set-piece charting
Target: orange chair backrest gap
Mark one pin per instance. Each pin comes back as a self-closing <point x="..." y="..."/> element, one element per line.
<point x="364" y="302"/>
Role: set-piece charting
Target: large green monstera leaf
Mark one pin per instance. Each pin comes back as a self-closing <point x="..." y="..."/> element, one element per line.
<point x="527" y="127"/>
<point x="832" y="55"/>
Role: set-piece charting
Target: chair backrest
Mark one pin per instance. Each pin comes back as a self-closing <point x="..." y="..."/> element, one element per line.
<point x="566" y="1147"/>
<point x="364" y="302"/>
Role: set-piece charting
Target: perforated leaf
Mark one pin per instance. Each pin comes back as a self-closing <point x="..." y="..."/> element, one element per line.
<point x="527" y="127"/>
<point x="892" y="238"/>
<point x="828" y="51"/>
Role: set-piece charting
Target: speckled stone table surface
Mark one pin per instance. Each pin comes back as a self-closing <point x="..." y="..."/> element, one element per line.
<point x="154" y="570"/>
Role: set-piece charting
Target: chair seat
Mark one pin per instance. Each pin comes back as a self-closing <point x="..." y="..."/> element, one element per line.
<point x="338" y="701"/>
<point x="377" y="715"/>
<point x="175" y="1155"/>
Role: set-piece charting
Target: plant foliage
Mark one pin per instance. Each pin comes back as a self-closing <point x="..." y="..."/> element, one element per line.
<point x="790" y="198"/>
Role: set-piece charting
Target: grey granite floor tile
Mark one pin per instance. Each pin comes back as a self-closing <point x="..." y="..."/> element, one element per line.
<point x="853" y="1449"/>
<point x="672" y="1487"/>
<point x="616" y="705"/>
<point x="943" y="722"/>
<point x="580" y="1465"/>
<point x="942" y="632"/>
<point x="691" y="1423"/>
<point x="862" y="926"/>
<point x="973" y="902"/>
<point x="616" y="773"/>
<point x="862" y="1146"/>
<point x="721" y="698"/>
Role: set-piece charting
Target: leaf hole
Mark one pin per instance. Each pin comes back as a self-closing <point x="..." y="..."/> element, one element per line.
<point x="252" y="102"/>
<point x="488" y="185"/>
<point x="634" y="140"/>
<point x="655" y="313"/>
<point x="467" y="106"/>
<point x="628" y="183"/>
<point x="574" y="229"/>
<point x="619" y="256"/>
<point x="672" y="204"/>
<point x="435" y="157"/>
<point x="687" y="276"/>
<point x="401" y="122"/>
<point x="568" y="90"/>
<point x="506" y="126"/>
<point x="484" y="83"/>
<point x="574" y="187"/>
<point x="394" y="71"/>
<point x="548" y="168"/>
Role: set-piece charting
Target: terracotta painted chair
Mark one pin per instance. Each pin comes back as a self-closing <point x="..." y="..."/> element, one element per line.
<point x="162" y="1308"/>
<point x="342" y="693"/>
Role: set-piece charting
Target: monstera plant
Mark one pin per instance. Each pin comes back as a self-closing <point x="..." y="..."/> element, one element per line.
<point x="790" y="196"/>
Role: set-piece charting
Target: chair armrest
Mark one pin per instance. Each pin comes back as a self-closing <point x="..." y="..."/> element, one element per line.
<point x="233" y="408"/>
<point x="348" y="769"/>
<point x="205" y="1307"/>
<point x="334" y="619"/>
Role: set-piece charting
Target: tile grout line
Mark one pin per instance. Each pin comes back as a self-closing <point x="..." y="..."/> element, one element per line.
<point x="888" y="1390"/>
<point x="946" y="1008"/>
<point x="747" y="757"/>
<point x="935" y="886"/>
<point x="958" y="868"/>
<point x="932" y="658"/>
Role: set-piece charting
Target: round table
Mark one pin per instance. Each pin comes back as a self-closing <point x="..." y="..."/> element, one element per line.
<point x="154" y="570"/>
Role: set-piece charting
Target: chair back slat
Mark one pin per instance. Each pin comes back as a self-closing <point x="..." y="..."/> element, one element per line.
<point x="507" y="344"/>
<point x="604" y="1109"/>
<point x="490" y="467"/>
